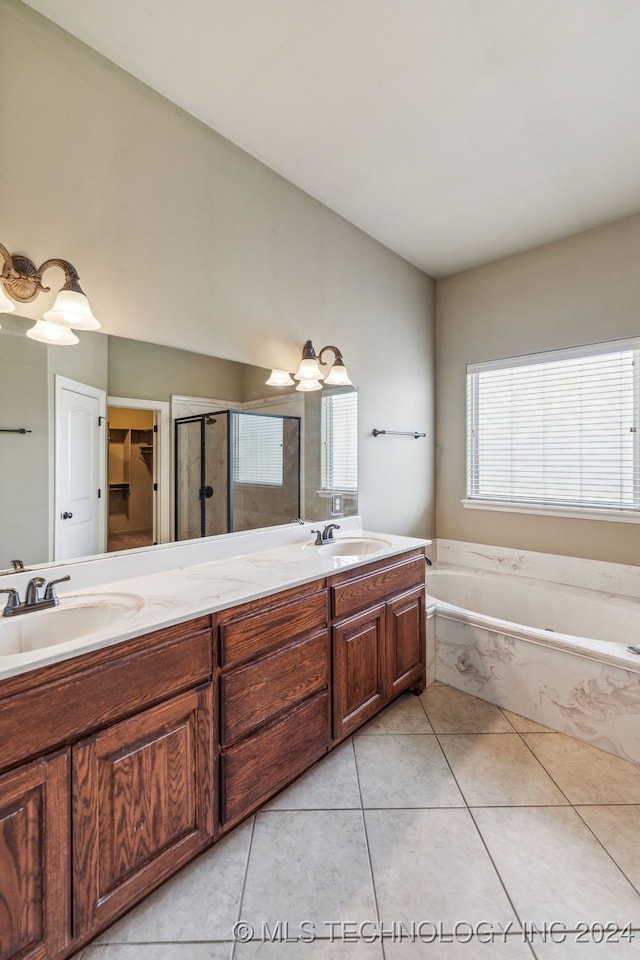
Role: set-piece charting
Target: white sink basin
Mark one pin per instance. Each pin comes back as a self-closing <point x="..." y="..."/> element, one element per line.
<point x="73" y="619"/>
<point x="353" y="546"/>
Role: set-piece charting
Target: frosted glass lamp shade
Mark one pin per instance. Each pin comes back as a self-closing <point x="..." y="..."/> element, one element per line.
<point x="45" y="331"/>
<point x="6" y="305"/>
<point x="338" y="376"/>
<point x="306" y="386"/>
<point x="309" y="369"/>
<point x="279" y="378"/>
<point x="71" y="309"/>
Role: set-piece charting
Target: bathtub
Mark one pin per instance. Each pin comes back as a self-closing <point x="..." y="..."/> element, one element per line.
<point x="552" y="653"/>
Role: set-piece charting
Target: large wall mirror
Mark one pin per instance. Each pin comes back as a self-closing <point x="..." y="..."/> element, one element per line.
<point x="191" y="445"/>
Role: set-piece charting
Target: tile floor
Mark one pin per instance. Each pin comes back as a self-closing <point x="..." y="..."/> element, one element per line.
<point x="451" y="825"/>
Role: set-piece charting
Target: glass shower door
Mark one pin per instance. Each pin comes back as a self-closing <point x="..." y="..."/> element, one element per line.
<point x="201" y="475"/>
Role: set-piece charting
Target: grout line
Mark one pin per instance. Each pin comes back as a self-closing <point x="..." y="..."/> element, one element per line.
<point x="548" y="772"/>
<point x="633" y="885"/>
<point x="366" y="842"/>
<point x="244" y="881"/>
<point x="482" y="840"/>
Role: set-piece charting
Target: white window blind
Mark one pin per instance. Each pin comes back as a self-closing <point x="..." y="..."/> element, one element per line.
<point x="558" y="429"/>
<point x="258" y="449"/>
<point x="340" y="442"/>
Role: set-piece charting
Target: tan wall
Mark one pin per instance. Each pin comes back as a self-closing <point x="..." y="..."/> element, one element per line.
<point x="182" y="239"/>
<point x="580" y="290"/>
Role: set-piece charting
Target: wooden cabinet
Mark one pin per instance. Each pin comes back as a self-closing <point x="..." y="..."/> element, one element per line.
<point x="359" y="670"/>
<point x="406" y="642"/>
<point x="142" y="804"/>
<point x="379" y="647"/>
<point x="34" y="863"/>
<point x="86" y="832"/>
<point x="274" y="701"/>
<point x="137" y="756"/>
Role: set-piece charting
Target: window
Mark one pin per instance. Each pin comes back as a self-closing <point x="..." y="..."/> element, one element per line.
<point x="257" y="449"/>
<point x="340" y="442"/>
<point x="557" y="431"/>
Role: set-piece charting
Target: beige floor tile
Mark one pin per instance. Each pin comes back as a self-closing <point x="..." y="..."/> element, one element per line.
<point x="461" y="948"/>
<point x="404" y="715"/>
<point x="552" y="867"/>
<point x="523" y="724"/>
<point x="157" y="951"/>
<point x="584" y="773"/>
<point x="332" y="783"/>
<point x="318" y="950"/>
<point x="618" y="830"/>
<point x="308" y="865"/>
<point x="404" y="771"/>
<point x="572" y="949"/>
<point x="431" y="865"/>
<point x="453" y="711"/>
<point x="498" y="770"/>
<point x="199" y="903"/>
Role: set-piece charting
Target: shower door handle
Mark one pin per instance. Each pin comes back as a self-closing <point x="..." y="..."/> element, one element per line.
<point x="206" y="493"/>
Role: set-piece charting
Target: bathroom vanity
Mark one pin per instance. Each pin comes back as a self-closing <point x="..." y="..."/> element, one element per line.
<point x="122" y="762"/>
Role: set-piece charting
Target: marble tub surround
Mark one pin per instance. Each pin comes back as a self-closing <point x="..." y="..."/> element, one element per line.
<point x="326" y="850"/>
<point x="614" y="578"/>
<point x="587" y="688"/>
<point x="239" y="568"/>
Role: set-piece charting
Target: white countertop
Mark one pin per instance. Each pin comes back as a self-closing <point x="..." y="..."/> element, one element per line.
<point x="162" y="599"/>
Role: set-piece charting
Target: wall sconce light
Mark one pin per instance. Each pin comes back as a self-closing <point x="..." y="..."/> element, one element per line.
<point x="22" y="281"/>
<point x="309" y="373"/>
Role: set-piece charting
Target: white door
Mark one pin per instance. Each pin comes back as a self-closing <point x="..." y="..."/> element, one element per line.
<point x="80" y="495"/>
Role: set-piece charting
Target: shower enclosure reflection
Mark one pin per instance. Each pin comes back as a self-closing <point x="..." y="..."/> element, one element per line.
<point x="172" y="384"/>
<point x="235" y="470"/>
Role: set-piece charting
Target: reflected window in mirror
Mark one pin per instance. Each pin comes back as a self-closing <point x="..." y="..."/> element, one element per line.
<point x="339" y="430"/>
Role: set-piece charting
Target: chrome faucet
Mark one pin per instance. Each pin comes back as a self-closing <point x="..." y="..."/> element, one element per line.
<point x="326" y="536"/>
<point x="32" y="598"/>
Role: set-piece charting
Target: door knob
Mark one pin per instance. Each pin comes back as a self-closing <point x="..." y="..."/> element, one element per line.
<point x="67" y="515"/>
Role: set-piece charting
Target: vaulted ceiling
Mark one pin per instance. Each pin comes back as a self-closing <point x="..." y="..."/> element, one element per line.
<point x="453" y="131"/>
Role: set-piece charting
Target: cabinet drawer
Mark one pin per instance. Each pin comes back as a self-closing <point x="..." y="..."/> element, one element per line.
<point x="259" y="766"/>
<point x="262" y="689"/>
<point x="255" y="633"/>
<point x="95" y="696"/>
<point x="356" y="593"/>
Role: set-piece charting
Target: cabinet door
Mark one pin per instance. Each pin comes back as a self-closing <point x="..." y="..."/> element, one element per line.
<point x="358" y="670"/>
<point x="34" y="860"/>
<point x="406" y="641"/>
<point x="142" y="805"/>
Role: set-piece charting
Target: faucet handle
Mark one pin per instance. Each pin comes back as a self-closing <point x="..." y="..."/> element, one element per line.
<point x="318" y="541"/>
<point x="12" y="603"/>
<point x="327" y="533"/>
<point x="50" y="592"/>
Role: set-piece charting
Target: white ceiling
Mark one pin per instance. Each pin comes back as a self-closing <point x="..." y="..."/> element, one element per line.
<point x="453" y="131"/>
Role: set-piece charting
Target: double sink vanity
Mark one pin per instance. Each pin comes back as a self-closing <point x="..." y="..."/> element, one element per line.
<point x="141" y="720"/>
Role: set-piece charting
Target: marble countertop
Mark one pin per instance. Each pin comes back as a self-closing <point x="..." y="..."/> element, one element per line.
<point x="155" y="600"/>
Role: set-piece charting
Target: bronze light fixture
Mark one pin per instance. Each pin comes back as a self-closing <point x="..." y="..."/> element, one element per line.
<point x="21" y="280"/>
<point x="309" y="374"/>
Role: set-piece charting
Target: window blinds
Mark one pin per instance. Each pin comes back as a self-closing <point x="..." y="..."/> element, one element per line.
<point x="559" y="428"/>
<point x="257" y="449"/>
<point x="340" y="442"/>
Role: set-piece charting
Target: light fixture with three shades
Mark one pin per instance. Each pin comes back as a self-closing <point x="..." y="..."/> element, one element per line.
<point x="21" y="280"/>
<point x="309" y="375"/>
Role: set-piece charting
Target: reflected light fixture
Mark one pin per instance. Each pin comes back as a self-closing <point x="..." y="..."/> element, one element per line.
<point x="309" y="375"/>
<point x="21" y="280"/>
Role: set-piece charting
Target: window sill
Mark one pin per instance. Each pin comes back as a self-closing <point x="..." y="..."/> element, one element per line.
<point x="576" y="513"/>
